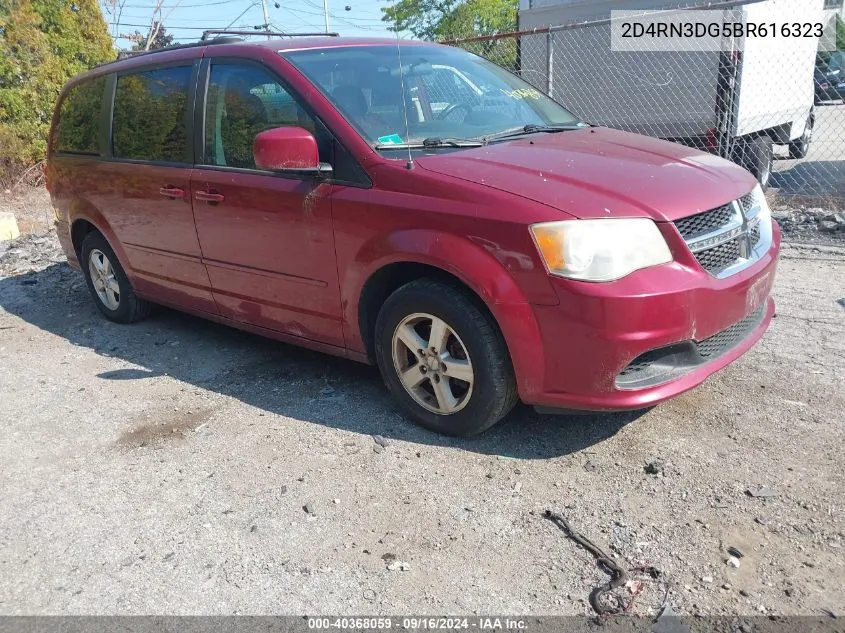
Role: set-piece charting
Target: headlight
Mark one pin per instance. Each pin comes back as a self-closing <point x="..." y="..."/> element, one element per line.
<point x="600" y="250"/>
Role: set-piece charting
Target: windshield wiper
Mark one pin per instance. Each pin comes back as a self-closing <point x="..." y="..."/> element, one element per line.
<point x="533" y="128"/>
<point x="432" y="143"/>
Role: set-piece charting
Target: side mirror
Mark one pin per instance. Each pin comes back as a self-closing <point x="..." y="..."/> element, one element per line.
<point x="288" y="149"/>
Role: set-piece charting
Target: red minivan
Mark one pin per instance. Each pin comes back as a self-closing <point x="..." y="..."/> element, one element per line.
<point x="413" y="206"/>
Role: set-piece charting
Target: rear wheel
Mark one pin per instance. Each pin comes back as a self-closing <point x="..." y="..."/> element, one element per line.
<point x="108" y="283"/>
<point x="799" y="147"/>
<point x="757" y="156"/>
<point x="443" y="359"/>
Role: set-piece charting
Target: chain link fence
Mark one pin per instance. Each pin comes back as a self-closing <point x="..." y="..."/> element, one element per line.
<point x="776" y="107"/>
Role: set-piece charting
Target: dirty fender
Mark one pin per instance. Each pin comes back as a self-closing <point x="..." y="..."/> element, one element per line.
<point x="471" y="264"/>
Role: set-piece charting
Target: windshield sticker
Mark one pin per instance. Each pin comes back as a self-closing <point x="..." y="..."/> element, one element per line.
<point x="521" y="93"/>
<point x="390" y="139"/>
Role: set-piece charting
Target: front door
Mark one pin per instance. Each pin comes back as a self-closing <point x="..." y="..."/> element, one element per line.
<point x="266" y="238"/>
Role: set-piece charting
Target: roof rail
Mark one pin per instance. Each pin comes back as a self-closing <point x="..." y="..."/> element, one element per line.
<point x="224" y="37"/>
<point x="174" y="47"/>
<point x="268" y="33"/>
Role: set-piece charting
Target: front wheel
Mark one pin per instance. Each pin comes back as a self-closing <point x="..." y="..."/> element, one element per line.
<point x="443" y="359"/>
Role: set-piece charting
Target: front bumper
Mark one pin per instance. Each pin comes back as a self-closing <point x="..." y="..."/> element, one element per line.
<point x="599" y="329"/>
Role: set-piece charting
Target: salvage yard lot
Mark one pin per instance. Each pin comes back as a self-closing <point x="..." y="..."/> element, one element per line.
<point x="165" y="467"/>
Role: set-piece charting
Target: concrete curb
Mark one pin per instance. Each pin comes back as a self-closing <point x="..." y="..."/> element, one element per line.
<point x="8" y="227"/>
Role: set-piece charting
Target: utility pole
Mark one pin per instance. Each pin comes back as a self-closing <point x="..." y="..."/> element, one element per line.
<point x="326" y="12"/>
<point x="266" y="17"/>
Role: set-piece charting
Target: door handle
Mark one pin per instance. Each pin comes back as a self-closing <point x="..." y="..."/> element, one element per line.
<point x="171" y="192"/>
<point x="209" y="196"/>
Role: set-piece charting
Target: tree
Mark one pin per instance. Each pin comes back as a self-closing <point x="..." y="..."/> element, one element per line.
<point x="439" y="20"/>
<point x="43" y="43"/>
<point x="160" y="39"/>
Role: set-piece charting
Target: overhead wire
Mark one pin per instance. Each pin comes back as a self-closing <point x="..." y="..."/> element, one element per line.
<point x="370" y="24"/>
<point x="199" y="5"/>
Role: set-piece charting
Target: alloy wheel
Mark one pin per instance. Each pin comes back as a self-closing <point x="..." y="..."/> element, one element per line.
<point x="102" y="276"/>
<point x="432" y="363"/>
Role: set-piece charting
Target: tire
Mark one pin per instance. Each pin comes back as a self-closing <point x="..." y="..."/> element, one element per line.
<point x="110" y="287"/>
<point x="799" y="147"/>
<point x="474" y="348"/>
<point x="757" y="156"/>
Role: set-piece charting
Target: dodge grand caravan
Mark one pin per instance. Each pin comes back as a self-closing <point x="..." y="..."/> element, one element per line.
<point x="416" y="207"/>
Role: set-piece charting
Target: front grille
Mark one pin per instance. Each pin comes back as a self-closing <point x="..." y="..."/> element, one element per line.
<point x="703" y="223"/>
<point x="724" y="240"/>
<point x="755" y="234"/>
<point x="725" y="340"/>
<point x="715" y="260"/>
<point x="748" y="202"/>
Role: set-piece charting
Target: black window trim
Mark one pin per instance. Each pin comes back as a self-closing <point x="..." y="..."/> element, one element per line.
<point x="201" y="94"/>
<point x="106" y="117"/>
<point x="189" y="155"/>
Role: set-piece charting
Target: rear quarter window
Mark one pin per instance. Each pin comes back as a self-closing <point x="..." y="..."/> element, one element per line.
<point x="78" y="129"/>
<point x="151" y="115"/>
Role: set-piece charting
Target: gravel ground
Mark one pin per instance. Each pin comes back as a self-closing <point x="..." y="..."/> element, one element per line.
<point x="809" y="224"/>
<point x="177" y="466"/>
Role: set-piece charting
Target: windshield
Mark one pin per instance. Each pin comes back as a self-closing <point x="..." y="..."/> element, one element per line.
<point x="448" y="93"/>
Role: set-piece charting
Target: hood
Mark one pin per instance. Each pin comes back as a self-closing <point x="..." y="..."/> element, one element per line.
<point x="600" y="173"/>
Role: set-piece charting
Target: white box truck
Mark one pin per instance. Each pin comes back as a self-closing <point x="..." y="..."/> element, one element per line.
<point x="737" y="102"/>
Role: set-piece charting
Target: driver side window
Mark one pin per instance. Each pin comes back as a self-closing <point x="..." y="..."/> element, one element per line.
<point x="444" y="89"/>
<point x="242" y="101"/>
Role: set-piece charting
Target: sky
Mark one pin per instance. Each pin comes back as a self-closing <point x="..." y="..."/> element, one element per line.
<point x="187" y="19"/>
